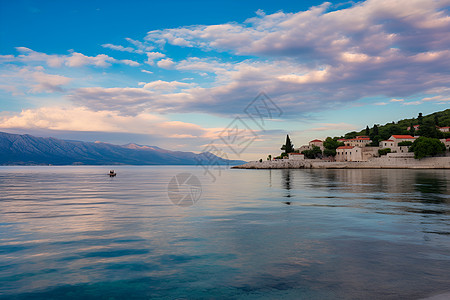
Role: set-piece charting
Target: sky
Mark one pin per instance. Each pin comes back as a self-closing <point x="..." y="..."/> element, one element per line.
<point x="234" y="76"/>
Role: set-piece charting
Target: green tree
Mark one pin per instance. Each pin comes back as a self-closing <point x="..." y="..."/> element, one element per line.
<point x="425" y="146"/>
<point x="367" y="130"/>
<point x="428" y="129"/>
<point x="330" y="145"/>
<point x="288" y="147"/>
<point x="405" y="143"/>
<point x="420" y="119"/>
<point x="351" y="135"/>
<point x="269" y="157"/>
<point x="313" y="153"/>
<point x="412" y="130"/>
<point x="329" y="152"/>
<point x="436" y="120"/>
<point x="375" y="130"/>
<point x="384" y="151"/>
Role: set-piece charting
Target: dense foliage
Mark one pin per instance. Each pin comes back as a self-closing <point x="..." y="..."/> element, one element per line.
<point x="384" y="151"/>
<point x="330" y="145"/>
<point x="425" y="146"/>
<point x="288" y="147"/>
<point x="427" y="128"/>
<point x="315" y="152"/>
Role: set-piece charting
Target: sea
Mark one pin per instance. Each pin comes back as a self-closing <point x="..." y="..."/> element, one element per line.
<point x="187" y="232"/>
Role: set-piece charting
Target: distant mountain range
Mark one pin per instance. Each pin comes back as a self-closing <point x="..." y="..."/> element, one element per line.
<point x="16" y="149"/>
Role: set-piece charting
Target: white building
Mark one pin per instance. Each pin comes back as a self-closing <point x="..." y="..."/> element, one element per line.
<point x="387" y="144"/>
<point x="349" y="153"/>
<point x="317" y="143"/>
<point x="401" y="138"/>
<point x="360" y="141"/>
<point x="296" y="156"/>
<point x="446" y="143"/>
<point x="444" y="129"/>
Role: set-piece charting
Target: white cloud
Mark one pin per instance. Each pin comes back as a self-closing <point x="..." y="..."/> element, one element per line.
<point x="413" y="103"/>
<point x="75" y="59"/>
<point x="83" y="119"/>
<point x="380" y="103"/>
<point x="165" y="85"/>
<point x="152" y="56"/>
<point x="397" y="100"/>
<point x="166" y="63"/>
<point x="119" y="48"/>
<point x="32" y="80"/>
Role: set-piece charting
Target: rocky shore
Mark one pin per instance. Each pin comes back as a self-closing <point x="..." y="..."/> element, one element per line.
<point x="376" y="163"/>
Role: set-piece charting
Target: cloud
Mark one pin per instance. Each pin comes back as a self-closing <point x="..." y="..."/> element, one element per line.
<point x="165" y="85"/>
<point x="152" y="56"/>
<point x="353" y="34"/>
<point x="413" y="103"/>
<point x="19" y="81"/>
<point x="119" y="48"/>
<point x="380" y="103"/>
<point x="75" y="59"/>
<point x="166" y="63"/>
<point x="305" y="61"/>
<point x="146" y="71"/>
<point x="83" y="119"/>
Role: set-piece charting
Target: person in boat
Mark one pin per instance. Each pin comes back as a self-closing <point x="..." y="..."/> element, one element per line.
<point x="112" y="173"/>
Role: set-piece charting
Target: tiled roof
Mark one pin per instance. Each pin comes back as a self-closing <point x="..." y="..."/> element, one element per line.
<point x="315" y="141"/>
<point x="358" y="139"/>
<point x="403" y="137"/>
<point x="346" y="147"/>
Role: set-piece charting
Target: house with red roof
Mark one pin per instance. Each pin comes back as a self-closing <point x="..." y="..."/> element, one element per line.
<point x="360" y="141"/>
<point x="317" y="143"/>
<point x="444" y="129"/>
<point x="349" y="153"/>
<point x="398" y="138"/>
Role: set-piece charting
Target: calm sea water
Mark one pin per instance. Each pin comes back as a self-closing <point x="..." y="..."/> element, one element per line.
<point x="75" y="233"/>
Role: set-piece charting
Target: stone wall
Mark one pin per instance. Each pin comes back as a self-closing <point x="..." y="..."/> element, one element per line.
<point x="384" y="162"/>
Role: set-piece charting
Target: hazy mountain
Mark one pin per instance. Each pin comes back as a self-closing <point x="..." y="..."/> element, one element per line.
<point x="26" y="149"/>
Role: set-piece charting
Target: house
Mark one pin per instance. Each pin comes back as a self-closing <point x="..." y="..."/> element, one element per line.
<point x="303" y="148"/>
<point x="360" y="141"/>
<point x="349" y="153"/>
<point x="444" y="129"/>
<point x="387" y="144"/>
<point x="296" y="156"/>
<point x="398" y="138"/>
<point x="446" y="143"/>
<point x="317" y="143"/>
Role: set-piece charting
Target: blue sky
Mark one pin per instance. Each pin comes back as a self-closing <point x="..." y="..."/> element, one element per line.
<point x="175" y="74"/>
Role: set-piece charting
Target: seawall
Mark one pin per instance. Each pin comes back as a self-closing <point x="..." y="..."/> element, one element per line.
<point x="376" y="163"/>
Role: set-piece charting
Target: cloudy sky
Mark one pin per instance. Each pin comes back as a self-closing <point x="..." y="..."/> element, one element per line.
<point x="177" y="74"/>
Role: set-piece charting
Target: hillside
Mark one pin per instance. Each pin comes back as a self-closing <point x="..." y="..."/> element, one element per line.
<point x="25" y="149"/>
<point x="400" y="127"/>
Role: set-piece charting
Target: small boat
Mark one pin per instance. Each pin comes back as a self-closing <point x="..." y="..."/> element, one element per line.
<point x="112" y="173"/>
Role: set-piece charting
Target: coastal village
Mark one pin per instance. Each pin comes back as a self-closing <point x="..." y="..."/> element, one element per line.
<point x="426" y="146"/>
<point x="358" y="149"/>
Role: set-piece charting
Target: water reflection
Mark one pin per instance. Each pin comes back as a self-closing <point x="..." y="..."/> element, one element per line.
<point x="349" y="234"/>
<point x="286" y="178"/>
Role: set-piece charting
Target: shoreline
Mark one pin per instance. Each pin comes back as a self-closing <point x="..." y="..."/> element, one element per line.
<point x="377" y="163"/>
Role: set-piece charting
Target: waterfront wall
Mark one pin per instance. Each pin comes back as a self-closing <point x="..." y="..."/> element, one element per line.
<point x="384" y="162"/>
